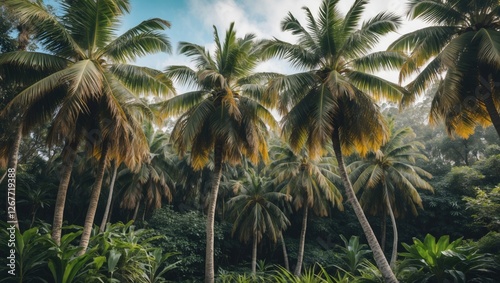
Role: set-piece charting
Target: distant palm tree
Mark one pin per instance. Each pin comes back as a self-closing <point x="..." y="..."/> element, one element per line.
<point x="224" y="115"/>
<point x="331" y="101"/>
<point x="91" y="93"/>
<point x="155" y="179"/>
<point x="388" y="181"/>
<point x="461" y="43"/>
<point x="310" y="185"/>
<point x="255" y="212"/>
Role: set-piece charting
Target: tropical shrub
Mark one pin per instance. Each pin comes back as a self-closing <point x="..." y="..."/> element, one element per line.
<point x="352" y="254"/>
<point x="33" y="250"/>
<point x="185" y="234"/>
<point x="445" y="261"/>
<point x="120" y="254"/>
<point x="129" y="254"/>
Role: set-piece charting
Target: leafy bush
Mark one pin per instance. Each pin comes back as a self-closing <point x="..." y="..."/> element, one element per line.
<point x="445" y="261"/>
<point x="486" y="208"/>
<point x="33" y="251"/>
<point x="120" y="254"/>
<point x="185" y="233"/>
<point x="352" y="254"/>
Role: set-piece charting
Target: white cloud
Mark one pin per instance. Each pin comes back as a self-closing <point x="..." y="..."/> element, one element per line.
<point x="263" y="17"/>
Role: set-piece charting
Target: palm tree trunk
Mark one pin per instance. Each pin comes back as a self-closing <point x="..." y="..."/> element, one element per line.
<point x="94" y="200"/>
<point x="12" y="165"/>
<point x="285" y="254"/>
<point x="136" y="211"/>
<point x="378" y="254"/>
<point x="383" y="232"/>
<point x="487" y="82"/>
<point x="300" y="256"/>
<point x="217" y="174"/>
<point x="254" y="254"/>
<point x="394" y="254"/>
<point x="110" y="197"/>
<point x="110" y="215"/>
<point x="69" y="156"/>
<point x="33" y="216"/>
<point x="493" y="112"/>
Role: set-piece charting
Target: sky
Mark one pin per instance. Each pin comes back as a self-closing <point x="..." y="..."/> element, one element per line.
<point x="193" y="21"/>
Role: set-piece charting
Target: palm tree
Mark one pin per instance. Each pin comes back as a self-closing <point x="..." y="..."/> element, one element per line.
<point x="461" y="43"/>
<point x="224" y="115"/>
<point x="254" y="211"/>
<point x="310" y="185"/>
<point x="91" y="93"/>
<point x="155" y="179"/>
<point x="330" y="100"/>
<point x="388" y="181"/>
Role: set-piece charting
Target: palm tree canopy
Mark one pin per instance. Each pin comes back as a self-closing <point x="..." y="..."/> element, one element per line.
<point x="84" y="73"/>
<point x="337" y="88"/>
<point x="227" y="107"/>
<point x="392" y="165"/>
<point x="254" y="209"/>
<point x="309" y="182"/>
<point x="154" y="181"/>
<point x="460" y="50"/>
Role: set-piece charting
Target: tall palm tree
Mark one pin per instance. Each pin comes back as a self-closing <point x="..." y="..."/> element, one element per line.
<point x="224" y="115"/>
<point x="91" y="93"/>
<point x="461" y="43"/>
<point x="388" y="181"/>
<point x="255" y="212"/>
<point x="309" y="183"/>
<point x="331" y="99"/>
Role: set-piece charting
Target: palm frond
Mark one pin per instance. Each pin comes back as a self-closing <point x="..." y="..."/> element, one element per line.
<point x="378" y="87"/>
<point x="140" y="40"/>
<point x="143" y="81"/>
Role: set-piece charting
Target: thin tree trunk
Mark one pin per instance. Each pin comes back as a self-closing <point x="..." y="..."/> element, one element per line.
<point x="302" y="239"/>
<point x="136" y="211"/>
<point x="394" y="254"/>
<point x="217" y="174"/>
<point x="144" y="211"/>
<point x="285" y="254"/>
<point x="33" y="216"/>
<point x="3" y="176"/>
<point x="110" y="215"/>
<point x="378" y="254"/>
<point x="69" y="156"/>
<point x="12" y="165"/>
<point x="383" y="232"/>
<point x="254" y="254"/>
<point x="110" y="197"/>
<point x="94" y="200"/>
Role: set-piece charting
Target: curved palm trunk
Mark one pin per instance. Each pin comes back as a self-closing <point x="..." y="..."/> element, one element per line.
<point x="394" y="254"/>
<point x="209" y="253"/>
<point x="254" y="254"/>
<point x="383" y="232"/>
<point x="378" y="254"/>
<point x="487" y="81"/>
<point x="69" y="156"/>
<point x="110" y="197"/>
<point x="285" y="254"/>
<point x="94" y="200"/>
<point x="492" y="111"/>
<point x="300" y="256"/>
<point x="12" y="164"/>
